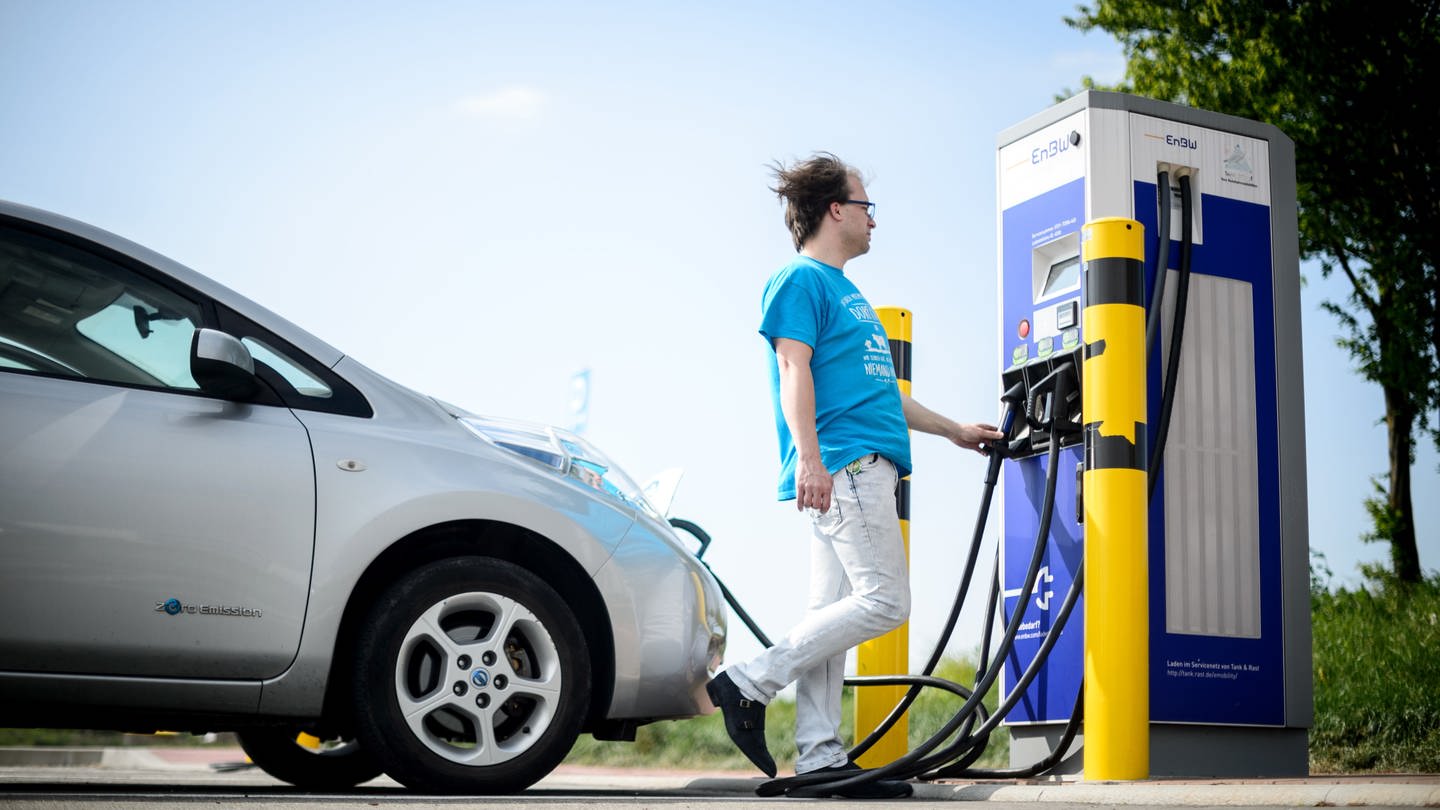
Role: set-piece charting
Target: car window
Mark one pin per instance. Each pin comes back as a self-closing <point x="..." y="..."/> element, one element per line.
<point x="71" y="313"/>
<point x="304" y="383"/>
<point x="300" y="381"/>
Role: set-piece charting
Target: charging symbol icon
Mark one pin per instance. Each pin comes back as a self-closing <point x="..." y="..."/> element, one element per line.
<point x="1045" y="578"/>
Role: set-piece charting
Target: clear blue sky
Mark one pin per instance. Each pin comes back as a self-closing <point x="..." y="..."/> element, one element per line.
<point x="480" y="199"/>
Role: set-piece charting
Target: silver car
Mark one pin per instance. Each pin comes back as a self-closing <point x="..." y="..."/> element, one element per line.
<point x="211" y="520"/>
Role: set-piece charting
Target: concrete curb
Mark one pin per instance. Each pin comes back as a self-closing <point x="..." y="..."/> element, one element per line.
<point x="1166" y="795"/>
<point x="143" y="759"/>
<point x="138" y="758"/>
<point x="1391" y="791"/>
<point x="1240" y="794"/>
<point x="51" y="757"/>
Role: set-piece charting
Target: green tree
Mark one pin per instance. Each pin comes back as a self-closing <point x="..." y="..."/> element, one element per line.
<point x="1353" y="84"/>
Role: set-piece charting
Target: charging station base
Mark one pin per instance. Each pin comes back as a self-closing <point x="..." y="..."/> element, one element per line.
<point x="1184" y="751"/>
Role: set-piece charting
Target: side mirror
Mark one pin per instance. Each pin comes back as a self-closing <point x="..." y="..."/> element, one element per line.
<point x="222" y="366"/>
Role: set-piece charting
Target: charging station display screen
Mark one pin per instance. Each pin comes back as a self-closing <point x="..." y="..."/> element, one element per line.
<point x="1063" y="274"/>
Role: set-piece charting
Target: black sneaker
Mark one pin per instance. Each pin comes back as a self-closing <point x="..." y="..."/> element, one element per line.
<point x="879" y="789"/>
<point x="744" y="721"/>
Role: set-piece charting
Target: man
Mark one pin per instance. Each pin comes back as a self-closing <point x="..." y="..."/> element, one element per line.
<point x="844" y="445"/>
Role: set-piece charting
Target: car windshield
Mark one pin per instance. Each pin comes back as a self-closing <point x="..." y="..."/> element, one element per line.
<point x="148" y="338"/>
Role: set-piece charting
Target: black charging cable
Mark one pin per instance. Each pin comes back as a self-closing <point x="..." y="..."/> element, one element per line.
<point x="1014" y="402"/>
<point x="704" y="538"/>
<point x="1162" y="264"/>
<point x="959" y="769"/>
<point x="1177" y="333"/>
<point x="1059" y="387"/>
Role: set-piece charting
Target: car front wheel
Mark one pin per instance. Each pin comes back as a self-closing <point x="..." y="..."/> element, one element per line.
<point x="472" y="676"/>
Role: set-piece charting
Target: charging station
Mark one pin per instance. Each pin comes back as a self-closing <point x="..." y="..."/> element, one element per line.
<point x="1229" y="664"/>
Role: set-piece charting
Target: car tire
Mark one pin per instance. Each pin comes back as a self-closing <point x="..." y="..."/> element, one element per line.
<point x="471" y="676"/>
<point x="333" y="765"/>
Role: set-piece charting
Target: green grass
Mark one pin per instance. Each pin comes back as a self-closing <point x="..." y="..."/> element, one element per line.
<point x="701" y="743"/>
<point x="1377" y="678"/>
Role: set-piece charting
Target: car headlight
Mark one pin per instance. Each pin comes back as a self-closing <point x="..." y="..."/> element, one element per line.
<point x="563" y="453"/>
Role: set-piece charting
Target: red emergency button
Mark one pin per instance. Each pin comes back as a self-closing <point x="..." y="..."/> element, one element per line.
<point x="1024" y="328"/>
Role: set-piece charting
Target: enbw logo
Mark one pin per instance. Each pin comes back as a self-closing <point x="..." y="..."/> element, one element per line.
<point x="1050" y="150"/>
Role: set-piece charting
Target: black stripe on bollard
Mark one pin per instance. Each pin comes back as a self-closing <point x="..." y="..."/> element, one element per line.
<point x="900" y="355"/>
<point x="1114" y="452"/>
<point x="1114" y="280"/>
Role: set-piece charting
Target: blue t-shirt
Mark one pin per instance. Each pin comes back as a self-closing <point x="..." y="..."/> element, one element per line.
<point x="857" y="400"/>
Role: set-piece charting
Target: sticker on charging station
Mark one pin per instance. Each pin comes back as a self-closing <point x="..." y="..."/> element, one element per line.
<point x="1224" y="164"/>
<point x="1219" y="164"/>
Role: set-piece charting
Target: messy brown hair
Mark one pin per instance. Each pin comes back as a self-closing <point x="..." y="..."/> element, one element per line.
<point x="807" y="188"/>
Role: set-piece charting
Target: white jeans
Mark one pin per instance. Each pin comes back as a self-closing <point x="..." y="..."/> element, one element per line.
<point x="859" y="589"/>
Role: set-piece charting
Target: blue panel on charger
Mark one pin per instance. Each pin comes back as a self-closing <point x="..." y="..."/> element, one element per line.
<point x="1214" y="679"/>
<point x="1027" y="225"/>
<point x="1051" y="696"/>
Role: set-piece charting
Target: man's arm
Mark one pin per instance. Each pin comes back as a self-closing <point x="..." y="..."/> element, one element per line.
<point x="970" y="436"/>
<point x="797" y="403"/>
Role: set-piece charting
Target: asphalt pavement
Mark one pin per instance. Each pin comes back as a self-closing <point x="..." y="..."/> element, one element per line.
<point x="1372" y="790"/>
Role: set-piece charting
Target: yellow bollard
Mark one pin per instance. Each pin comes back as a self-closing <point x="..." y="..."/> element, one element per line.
<point x="890" y="653"/>
<point x="1117" y="635"/>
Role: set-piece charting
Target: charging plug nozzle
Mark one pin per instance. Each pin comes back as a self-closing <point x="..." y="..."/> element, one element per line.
<point x="1053" y="399"/>
<point x="1014" y="399"/>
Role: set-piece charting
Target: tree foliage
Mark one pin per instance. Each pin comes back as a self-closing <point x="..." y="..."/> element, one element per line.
<point x="1353" y="85"/>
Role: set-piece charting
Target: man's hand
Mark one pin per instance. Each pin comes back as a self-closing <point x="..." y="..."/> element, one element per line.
<point x="813" y="485"/>
<point x="976" y="436"/>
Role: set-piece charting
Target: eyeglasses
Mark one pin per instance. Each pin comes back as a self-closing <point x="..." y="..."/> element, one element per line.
<point x="869" y="206"/>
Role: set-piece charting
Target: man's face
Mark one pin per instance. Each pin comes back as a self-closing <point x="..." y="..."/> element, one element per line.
<point x="855" y="221"/>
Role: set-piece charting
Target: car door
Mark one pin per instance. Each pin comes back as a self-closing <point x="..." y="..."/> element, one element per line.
<point x="145" y="528"/>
